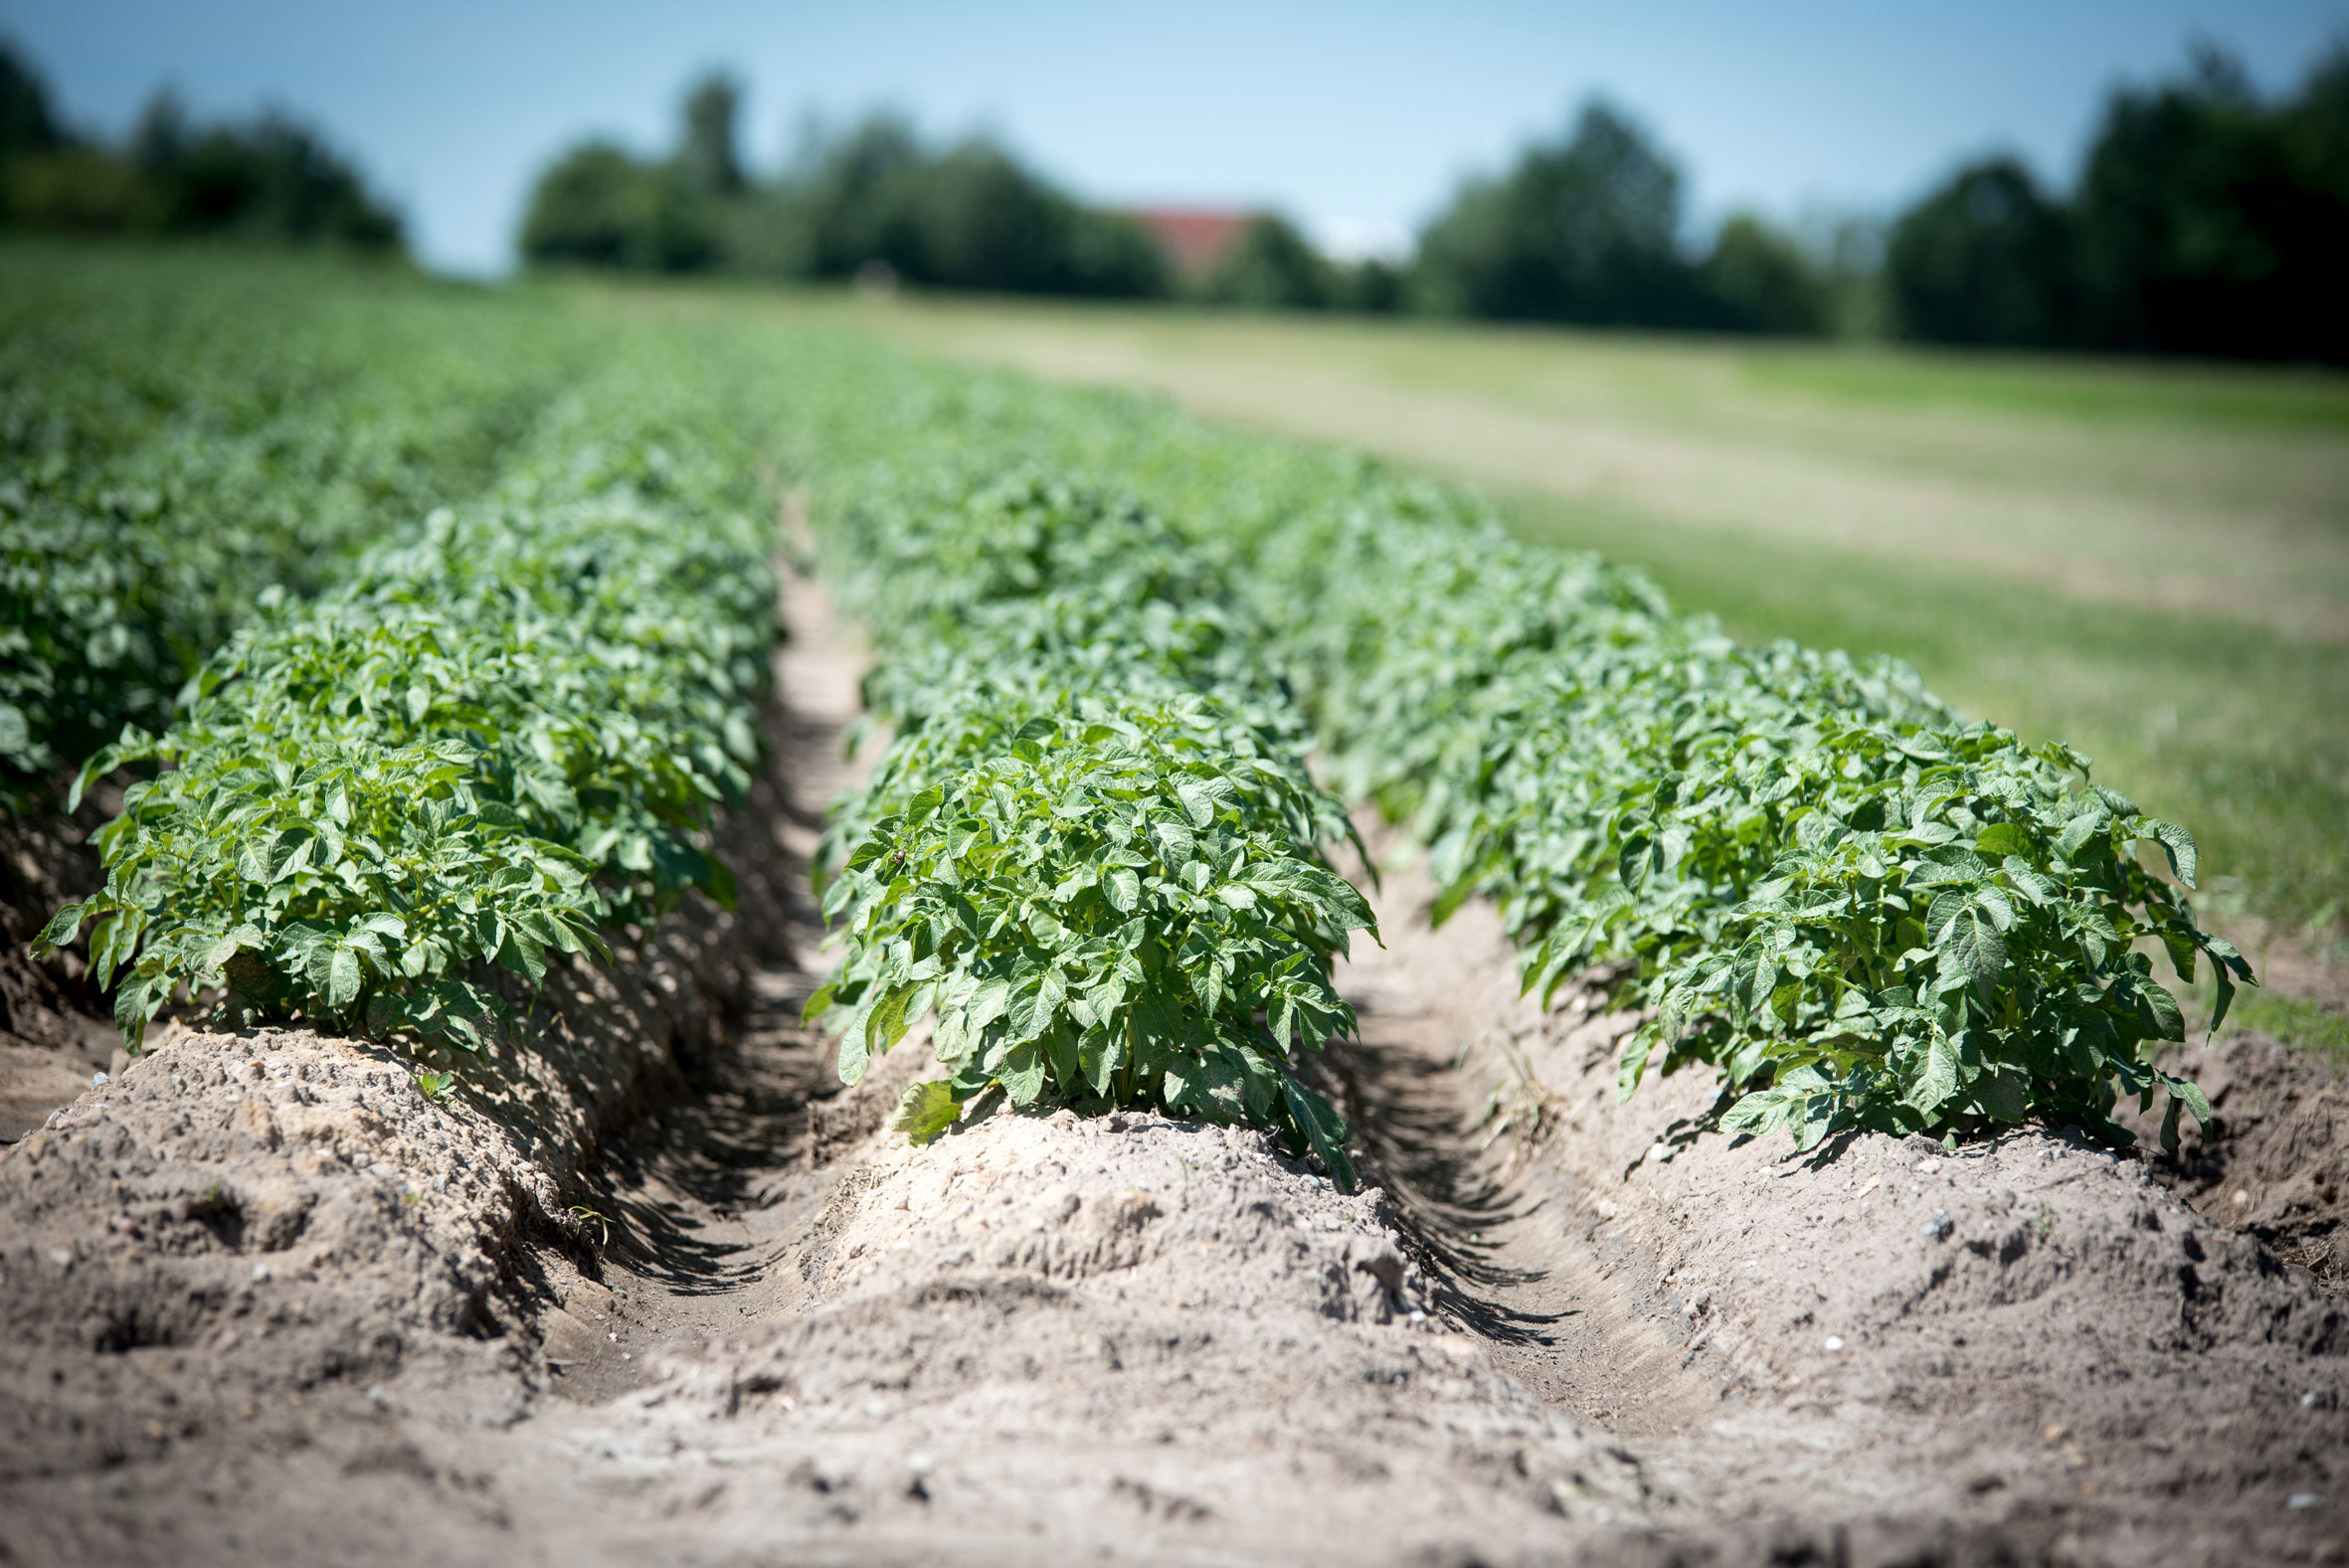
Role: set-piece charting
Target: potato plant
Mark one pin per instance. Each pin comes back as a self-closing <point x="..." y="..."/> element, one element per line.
<point x="176" y="441"/>
<point x="479" y="750"/>
<point x="1092" y="854"/>
<point x="1820" y="881"/>
<point x="1858" y="908"/>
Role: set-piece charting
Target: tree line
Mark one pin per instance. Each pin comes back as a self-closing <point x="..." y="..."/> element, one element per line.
<point x="2205" y="219"/>
<point x="268" y="178"/>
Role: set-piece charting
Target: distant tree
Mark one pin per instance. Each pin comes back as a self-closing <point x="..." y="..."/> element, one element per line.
<point x="271" y="179"/>
<point x="853" y="194"/>
<point x="2211" y="223"/>
<point x="1112" y="257"/>
<point x="1585" y="229"/>
<point x="1983" y="259"/>
<point x="2316" y="141"/>
<point x="970" y="217"/>
<point x="1372" y="285"/>
<point x="159" y="139"/>
<point x="1271" y="266"/>
<point x="598" y="207"/>
<point x="27" y="122"/>
<point x="1757" y="279"/>
<point x="46" y="179"/>
<point x="708" y="160"/>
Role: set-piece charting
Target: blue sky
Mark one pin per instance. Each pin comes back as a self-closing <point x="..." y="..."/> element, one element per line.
<point x="1356" y="119"/>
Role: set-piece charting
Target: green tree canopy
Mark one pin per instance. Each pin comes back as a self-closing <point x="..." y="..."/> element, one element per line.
<point x="1583" y="229"/>
<point x="1759" y="280"/>
<point x="1272" y="265"/>
<point x="597" y="205"/>
<point x="2211" y="223"/>
<point x="270" y="178"/>
<point x="27" y="121"/>
<point x="709" y="158"/>
<point x="1983" y="259"/>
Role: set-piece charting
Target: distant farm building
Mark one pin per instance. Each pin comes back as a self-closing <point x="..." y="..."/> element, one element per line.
<point x="1193" y="238"/>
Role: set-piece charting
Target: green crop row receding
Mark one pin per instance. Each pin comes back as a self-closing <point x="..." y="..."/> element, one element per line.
<point x="1094" y="855"/>
<point x="176" y="441"/>
<point x="1855" y="906"/>
<point x="1092" y="849"/>
<point x="483" y="746"/>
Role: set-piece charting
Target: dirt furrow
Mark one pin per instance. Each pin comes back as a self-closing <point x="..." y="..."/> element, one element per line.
<point x="2027" y="1349"/>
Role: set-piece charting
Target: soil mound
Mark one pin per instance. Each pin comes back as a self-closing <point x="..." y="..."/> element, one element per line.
<point x="2030" y="1342"/>
<point x="1051" y="1338"/>
<point x="2275" y="1164"/>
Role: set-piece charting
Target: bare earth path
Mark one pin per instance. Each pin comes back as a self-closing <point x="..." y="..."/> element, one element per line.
<point x="659" y="1293"/>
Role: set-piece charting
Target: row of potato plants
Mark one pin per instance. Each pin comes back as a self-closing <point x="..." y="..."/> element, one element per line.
<point x="1092" y="853"/>
<point x="1814" y="878"/>
<point x="491" y="741"/>
<point x="1858" y="907"/>
<point x="180" y="437"/>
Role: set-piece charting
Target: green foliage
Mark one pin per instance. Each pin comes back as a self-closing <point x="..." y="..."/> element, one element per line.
<point x="2211" y="222"/>
<point x="478" y="750"/>
<point x="969" y="216"/>
<point x="1985" y="258"/>
<point x="1825" y="885"/>
<point x="1760" y="280"/>
<point x="1856" y="907"/>
<point x="1585" y="229"/>
<point x="174" y="445"/>
<point x="1093" y="851"/>
<point x="1272" y="267"/>
<point x="2205" y="221"/>
<point x="925" y="1110"/>
<point x="28" y="122"/>
<point x="1093" y="856"/>
<point x="597" y="205"/>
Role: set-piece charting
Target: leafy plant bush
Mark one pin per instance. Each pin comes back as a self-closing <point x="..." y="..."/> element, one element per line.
<point x="1858" y="907"/>
<point x="174" y="443"/>
<point x="1092" y="851"/>
<point x="483" y="747"/>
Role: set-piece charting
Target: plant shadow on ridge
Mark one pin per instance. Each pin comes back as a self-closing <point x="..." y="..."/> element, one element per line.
<point x="742" y="1109"/>
<point x="1410" y="1138"/>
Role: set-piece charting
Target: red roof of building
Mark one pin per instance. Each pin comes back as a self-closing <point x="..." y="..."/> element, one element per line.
<point x="1193" y="238"/>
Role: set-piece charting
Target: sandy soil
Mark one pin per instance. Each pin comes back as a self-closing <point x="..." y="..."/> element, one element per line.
<point x="54" y="1026"/>
<point x="648" y="1288"/>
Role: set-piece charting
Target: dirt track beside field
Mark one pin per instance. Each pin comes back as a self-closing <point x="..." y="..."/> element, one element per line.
<point x="654" y="1289"/>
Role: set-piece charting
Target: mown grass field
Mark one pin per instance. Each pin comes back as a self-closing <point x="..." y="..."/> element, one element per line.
<point x="2151" y="561"/>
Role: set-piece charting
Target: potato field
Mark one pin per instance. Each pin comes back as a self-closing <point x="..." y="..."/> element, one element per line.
<point x="645" y="929"/>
